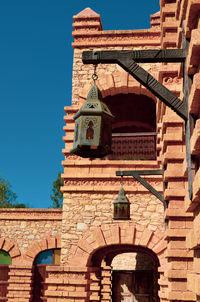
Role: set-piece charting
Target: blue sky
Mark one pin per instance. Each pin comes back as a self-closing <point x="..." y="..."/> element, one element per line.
<point x="35" y="84"/>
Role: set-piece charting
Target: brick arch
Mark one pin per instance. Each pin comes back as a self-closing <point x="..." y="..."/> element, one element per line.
<point x="10" y="247"/>
<point x="126" y="233"/>
<point x="118" y="82"/>
<point x="116" y="234"/>
<point x="52" y="242"/>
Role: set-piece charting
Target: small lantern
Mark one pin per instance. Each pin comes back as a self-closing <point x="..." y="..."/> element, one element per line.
<point x="93" y="126"/>
<point x="121" y="206"/>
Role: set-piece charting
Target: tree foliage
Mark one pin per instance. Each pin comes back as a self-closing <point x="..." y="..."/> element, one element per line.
<point x="7" y="196"/>
<point x="57" y="195"/>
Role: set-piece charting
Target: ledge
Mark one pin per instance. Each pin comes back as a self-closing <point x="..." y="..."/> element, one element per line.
<point x="172" y="213"/>
<point x="30" y="214"/>
<point x="171" y="193"/>
<point x="98" y="39"/>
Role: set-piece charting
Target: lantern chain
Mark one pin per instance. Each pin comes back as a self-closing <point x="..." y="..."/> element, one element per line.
<point x="95" y="76"/>
<point x="121" y="181"/>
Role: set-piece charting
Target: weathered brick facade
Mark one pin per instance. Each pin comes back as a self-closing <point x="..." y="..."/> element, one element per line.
<point x="92" y="243"/>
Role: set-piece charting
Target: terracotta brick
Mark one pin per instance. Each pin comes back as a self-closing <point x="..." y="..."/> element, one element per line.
<point x="176" y="274"/>
<point x="181" y="296"/>
<point x="178" y="285"/>
<point x="178" y="265"/>
<point x="115" y="234"/>
<point x="1" y="242"/>
<point x="99" y="237"/>
<point x="14" y="252"/>
<point x="146" y="237"/>
<point x="84" y="245"/>
<point x="8" y="244"/>
<point x="160" y="247"/>
<point x="51" y="242"/>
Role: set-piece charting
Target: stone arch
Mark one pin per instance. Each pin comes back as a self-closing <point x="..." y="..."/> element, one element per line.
<point x="118" y="82"/>
<point x="10" y="247"/>
<point x="126" y="234"/>
<point x="116" y="234"/>
<point x="44" y="244"/>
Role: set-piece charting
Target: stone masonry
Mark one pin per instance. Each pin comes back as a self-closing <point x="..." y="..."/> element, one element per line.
<point x="92" y="243"/>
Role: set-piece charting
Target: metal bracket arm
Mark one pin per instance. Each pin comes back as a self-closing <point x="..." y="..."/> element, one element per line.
<point x="136" y="175"/>
<point x="140" y="56"/>
<point x="127" y="60"/>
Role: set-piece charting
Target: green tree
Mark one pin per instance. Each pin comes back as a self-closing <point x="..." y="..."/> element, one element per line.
<point x="7" y="196"/>
<point x="57" y="195"/>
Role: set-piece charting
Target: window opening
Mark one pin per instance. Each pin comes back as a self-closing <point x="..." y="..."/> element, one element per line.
<point x="134" y="127"/>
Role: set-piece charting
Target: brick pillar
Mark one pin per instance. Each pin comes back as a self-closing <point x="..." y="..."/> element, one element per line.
<point x="179" y="222"/>
<point x="20" y="283"/>
<point x="106" y="284"/>
<point x="94" y="282"/>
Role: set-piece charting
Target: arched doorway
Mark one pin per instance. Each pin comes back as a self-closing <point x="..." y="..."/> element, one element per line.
<point x="128" y="273"/>
<point x="134" y="277"/>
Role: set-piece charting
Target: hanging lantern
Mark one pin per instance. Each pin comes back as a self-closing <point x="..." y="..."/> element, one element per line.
<point x="93" y="126"/>
<point x="121" y="206"/>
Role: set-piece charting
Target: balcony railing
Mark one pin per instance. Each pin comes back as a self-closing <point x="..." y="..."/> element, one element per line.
<point x="133" y="146"/>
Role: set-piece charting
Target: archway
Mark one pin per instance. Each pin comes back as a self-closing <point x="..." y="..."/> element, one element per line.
<point x="132" y="277"/>
<point x="99" y="245"/>
<point x="9" y="254"/>
<point x="40" y="254"/>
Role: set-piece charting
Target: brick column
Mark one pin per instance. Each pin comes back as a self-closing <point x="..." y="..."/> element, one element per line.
<point x="94" y="284"/>
<point x="106" y="284"/>
<point x="179" y="222"/>
<point x="20" y="283"/>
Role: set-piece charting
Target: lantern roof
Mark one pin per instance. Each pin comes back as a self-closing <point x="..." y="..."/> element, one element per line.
<point x="94" y="93"/>
<point x="94" y="104"/>
<point x="121" y="198"/>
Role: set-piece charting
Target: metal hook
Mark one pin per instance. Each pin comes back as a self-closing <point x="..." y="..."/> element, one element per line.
<point x="121" y="182"/>
<point x="95" y="76"/>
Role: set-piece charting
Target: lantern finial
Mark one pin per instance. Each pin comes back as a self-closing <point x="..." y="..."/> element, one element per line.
<point x="121" y="205"/>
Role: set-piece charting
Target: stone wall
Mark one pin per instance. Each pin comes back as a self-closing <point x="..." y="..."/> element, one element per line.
<point x="84" y="210"/>
<point x="22" y="228"/>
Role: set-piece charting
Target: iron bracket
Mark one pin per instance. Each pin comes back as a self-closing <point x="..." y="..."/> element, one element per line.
<point x="136" y="174"/>
<point x="128" y="59"/>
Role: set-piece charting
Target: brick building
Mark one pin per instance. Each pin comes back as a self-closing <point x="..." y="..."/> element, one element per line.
<point x="81" y="253"/>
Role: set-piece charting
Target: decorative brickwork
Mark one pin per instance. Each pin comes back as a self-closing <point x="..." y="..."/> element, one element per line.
<point x="92" y="243"/>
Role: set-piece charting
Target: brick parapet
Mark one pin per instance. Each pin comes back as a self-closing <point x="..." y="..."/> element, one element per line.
<point x="30" y="214"/>
<point x="88" y="33"/>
